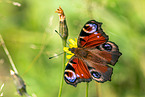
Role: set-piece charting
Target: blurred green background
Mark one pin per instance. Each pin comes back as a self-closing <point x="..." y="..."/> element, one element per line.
<point x="28" y="32"/>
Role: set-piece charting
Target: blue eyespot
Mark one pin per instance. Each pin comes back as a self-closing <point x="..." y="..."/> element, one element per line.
<point x="96" y="74"/>
<point x="107" y="47"/>
<point x="70" y="76"/>
<point x="94" y="28"/>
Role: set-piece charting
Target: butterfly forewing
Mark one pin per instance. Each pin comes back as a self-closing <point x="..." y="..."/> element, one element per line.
<point x="92" y="35"/>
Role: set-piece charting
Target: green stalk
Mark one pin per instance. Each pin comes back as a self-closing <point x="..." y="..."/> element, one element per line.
<point x="8" y="54"/>
<point x="87" y="86"/>
<point x="63" y="68"/>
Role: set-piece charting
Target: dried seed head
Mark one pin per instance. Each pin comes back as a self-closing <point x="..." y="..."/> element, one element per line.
<point x="19" y="83"/>
<point x="63" y="30"/>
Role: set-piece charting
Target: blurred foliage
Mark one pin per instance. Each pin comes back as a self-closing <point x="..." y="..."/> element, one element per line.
<point x="29" y="32"/>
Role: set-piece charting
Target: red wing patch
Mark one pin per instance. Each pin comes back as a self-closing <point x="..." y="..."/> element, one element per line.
<point x="76" y="71"/>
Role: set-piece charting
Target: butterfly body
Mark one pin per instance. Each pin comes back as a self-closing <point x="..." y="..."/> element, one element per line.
<point x="92" y="56"/>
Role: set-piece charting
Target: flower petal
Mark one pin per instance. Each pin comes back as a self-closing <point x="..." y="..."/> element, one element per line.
<point x="66" y="63"/>
<point x="73" y="44"/>
<point x="72" y="41"/>
<point x="66" y="49"/>
<point x="69" y="56"/>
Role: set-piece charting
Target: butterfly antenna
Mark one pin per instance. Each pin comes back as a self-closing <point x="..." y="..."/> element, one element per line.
<point x="60" y="36"/>
<point x="56" y="55"/>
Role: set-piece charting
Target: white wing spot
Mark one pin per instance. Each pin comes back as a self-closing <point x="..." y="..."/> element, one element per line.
<point x="95" y="32"/>
<point x="78" y="75"/>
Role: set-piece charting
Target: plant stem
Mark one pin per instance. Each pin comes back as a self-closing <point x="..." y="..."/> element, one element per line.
<point x="8" y="54"/>
<point x="63" y="68"/>
<point x="87" y="86"/>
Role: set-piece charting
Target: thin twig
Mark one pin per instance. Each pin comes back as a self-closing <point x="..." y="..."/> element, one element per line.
<point x="8" y="54"/>
<point x="2" y="87"/>
<point x="61" y="36"/>
<point x="56" y="55"/>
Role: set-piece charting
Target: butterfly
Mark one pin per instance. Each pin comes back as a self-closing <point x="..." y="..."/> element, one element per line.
<point x="92" y="56"/>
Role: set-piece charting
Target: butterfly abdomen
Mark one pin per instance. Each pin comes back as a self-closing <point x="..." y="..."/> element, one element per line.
<point x="87" y="55"/>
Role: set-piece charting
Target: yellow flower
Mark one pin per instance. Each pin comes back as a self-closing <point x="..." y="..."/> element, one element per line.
<point x="73" y="44"/>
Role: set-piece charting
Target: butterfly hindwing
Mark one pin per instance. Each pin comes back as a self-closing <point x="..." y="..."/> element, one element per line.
<point x="109" y="51"/>
<point x="92" y="35"/>
<point x="98" y="59"/>
<point x="101" y="73"/>
<point x="76" y="71"/>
